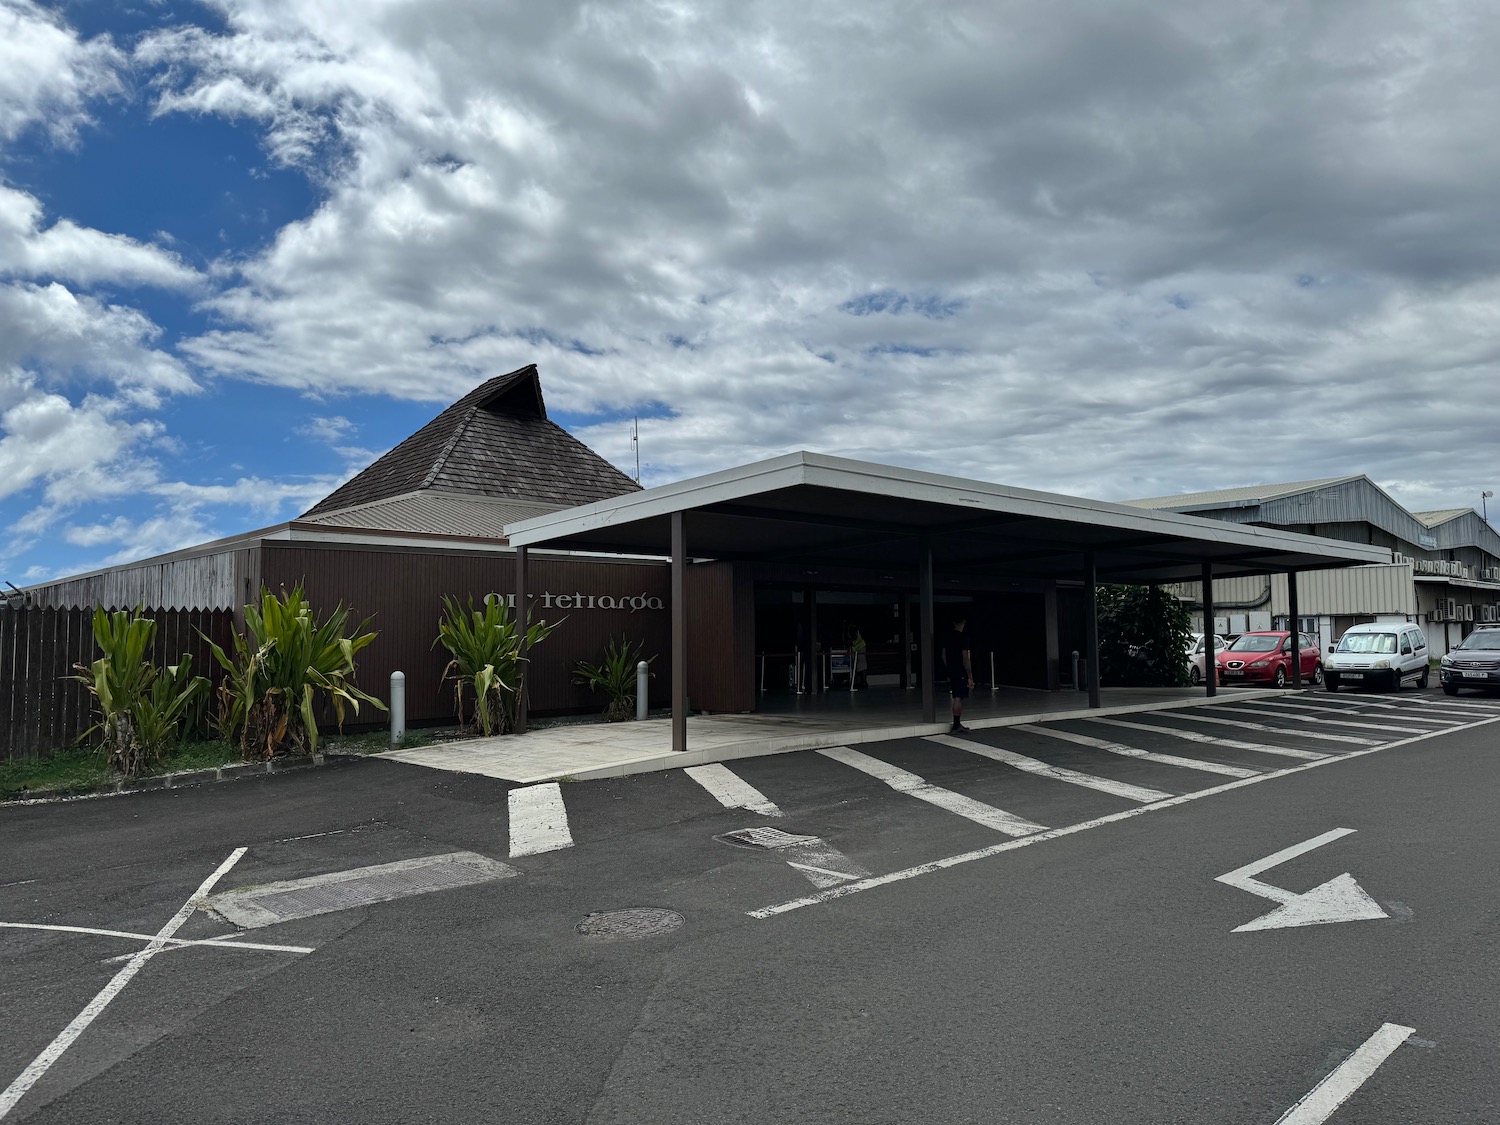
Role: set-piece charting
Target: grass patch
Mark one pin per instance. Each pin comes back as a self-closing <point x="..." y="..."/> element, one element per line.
<point x="68" y="770"/>
<point x="371" y="742"/>
<point x="76" y="770"/>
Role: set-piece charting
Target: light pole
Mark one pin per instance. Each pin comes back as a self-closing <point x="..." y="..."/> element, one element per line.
<point x="1483" y="497"/>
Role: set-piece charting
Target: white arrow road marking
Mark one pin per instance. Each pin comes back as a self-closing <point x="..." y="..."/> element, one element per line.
<point x="65" y="1038"/>
<point x="1132" y="752"/>
<point x="1339" y="900"/>
<point x="822" y="863"/>
<point x="918" y="787"/>
<point x="875" y="881"/>
<point x="730" y="790"/>
<point x="1057" y="773"/>
<point x="1276" y="730"/>
<point x="1318" y="1104"/>
<point x="538" y="820"/>
<point x="1304" y="719"/>
<point x="1211" y="740"/>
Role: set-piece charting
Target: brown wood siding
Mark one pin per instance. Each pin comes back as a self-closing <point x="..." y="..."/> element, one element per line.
<point x="402" y="589"/>
<point x="721" y="637"/>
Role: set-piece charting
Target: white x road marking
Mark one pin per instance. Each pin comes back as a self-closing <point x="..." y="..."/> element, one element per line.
<point x="155" y="943"/>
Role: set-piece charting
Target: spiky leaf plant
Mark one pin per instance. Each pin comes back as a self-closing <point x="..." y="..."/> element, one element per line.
<point x="140" y="708"/>
<point x="485" y="645"/>
<point x="283" y="664"/>
<point x="614" y="675"/>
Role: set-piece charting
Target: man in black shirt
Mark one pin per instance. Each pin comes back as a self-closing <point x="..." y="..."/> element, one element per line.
<point x="960" y="671"/>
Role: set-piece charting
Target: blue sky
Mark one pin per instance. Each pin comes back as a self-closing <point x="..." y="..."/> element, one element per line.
<point x="247" y="245"/>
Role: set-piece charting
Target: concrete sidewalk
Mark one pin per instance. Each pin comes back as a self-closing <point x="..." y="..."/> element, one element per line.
<point x="585" y="751"/>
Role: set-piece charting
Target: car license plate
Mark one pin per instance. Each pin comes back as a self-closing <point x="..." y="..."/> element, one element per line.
<point x="1233" y="672"/>
<point x="1476" y="675"/>
<point x="1353" y="675"/>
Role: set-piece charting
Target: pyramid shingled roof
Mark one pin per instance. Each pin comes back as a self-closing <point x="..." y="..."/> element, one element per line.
<point x="495" y="442"/>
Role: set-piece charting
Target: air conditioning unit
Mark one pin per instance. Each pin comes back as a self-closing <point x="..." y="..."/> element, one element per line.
<point x="1468" y="611"/>
<point x="1399" y="559"/>
<point x="1489" y="613"/>
<point x="1450" y="609"/>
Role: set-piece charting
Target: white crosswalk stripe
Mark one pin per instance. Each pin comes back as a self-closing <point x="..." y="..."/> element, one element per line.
<point x="1309" y="719"/>
<point x="904" y="782"/>
<point x="730" y="790"/>
<point x="1057" y="773"/>
<point x="1275" y="706"/>
<point x="1210" y="740"/>
<point x="538" y="820"/>
<point x="1133" y="752"/>
<point x="1412" y="704"/>
<point x="1349" y="738"/>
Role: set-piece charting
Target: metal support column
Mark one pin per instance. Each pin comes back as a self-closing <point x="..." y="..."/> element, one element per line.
<point x="814" y="663"/>
<point x="926" y="637"/>
<point x="1054" y="640"/>
<point x="1210" y="657"/>
<point x="1293" y="624"/>
<point x="679" y="631"/>
<point x="523" y="622"/>
<point x="1091" y="625"/>
<point x="905" y="642"/>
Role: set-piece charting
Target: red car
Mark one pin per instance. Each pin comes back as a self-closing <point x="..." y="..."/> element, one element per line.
<point x="1265" y="658"/>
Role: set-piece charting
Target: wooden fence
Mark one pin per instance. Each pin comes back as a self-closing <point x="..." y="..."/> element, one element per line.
<point x="41" y="709"/>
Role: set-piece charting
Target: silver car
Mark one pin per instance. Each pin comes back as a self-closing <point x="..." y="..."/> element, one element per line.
<point x="1475" y="663"/>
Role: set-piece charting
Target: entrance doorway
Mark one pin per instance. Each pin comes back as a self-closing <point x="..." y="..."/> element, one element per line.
<point x="1007" y="634"/>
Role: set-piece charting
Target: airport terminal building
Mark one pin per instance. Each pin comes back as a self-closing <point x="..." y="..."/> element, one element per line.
<point x="1444" y="571"/>
<point x="747" y="584"/>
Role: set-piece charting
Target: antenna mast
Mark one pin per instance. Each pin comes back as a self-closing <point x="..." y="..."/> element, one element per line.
<point x="635" y="440"/>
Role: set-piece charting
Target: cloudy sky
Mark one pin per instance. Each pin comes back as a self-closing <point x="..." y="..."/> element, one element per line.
<point x="1117" y="249"/>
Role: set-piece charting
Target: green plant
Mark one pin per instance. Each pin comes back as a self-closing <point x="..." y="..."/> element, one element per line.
<point x="1143" y="637"/>
<point x="614" y="675"/>
<point x="141" y="708"/>
<point x="486" y="649"/>
<point x="161" y="711"/>
<point x="282" y="665"/>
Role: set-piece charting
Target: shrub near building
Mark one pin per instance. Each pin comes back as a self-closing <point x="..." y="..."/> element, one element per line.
<point x="1143" y="637"/>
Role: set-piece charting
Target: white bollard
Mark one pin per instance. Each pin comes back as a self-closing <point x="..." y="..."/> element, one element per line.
<point x="398" y="708"/>
<point x="642" y="674"/>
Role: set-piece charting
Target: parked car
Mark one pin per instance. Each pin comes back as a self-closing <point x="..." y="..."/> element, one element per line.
<point x="1382" y="655"/>
<point x="1475" y="663"/>
<point x="1266" y="657"/>
<point x="1196" y="649"/>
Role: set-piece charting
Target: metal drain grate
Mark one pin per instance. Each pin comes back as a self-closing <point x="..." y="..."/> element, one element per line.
<point x="266" y="905"/>
<point x="623" y="925"/>
<point x="771" y="838"/>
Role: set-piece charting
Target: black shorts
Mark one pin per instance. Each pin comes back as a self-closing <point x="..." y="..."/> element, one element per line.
<point x="960" y="687"/>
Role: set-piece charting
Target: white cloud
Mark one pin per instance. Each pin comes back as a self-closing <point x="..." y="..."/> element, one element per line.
<point x="1091" y="248"/>
<point x="79" y="254"/>
<point x="49" y="75"/>
<point x="46" y="437"/>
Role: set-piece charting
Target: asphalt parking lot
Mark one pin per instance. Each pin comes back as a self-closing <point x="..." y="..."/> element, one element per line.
<point x="1095" y="971"/>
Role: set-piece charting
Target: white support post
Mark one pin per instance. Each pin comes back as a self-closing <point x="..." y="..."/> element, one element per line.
<point x="398" y="709"/>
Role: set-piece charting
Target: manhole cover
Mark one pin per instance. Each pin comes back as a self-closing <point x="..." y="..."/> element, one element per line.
<point x="771" y="838"/>
<point x="637" y="922"/>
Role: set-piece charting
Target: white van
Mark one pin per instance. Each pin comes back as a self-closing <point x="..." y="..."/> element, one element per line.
<point x="1382" y="655"/>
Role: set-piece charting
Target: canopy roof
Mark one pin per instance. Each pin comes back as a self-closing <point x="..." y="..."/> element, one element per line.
<point x="815" y="510"/>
